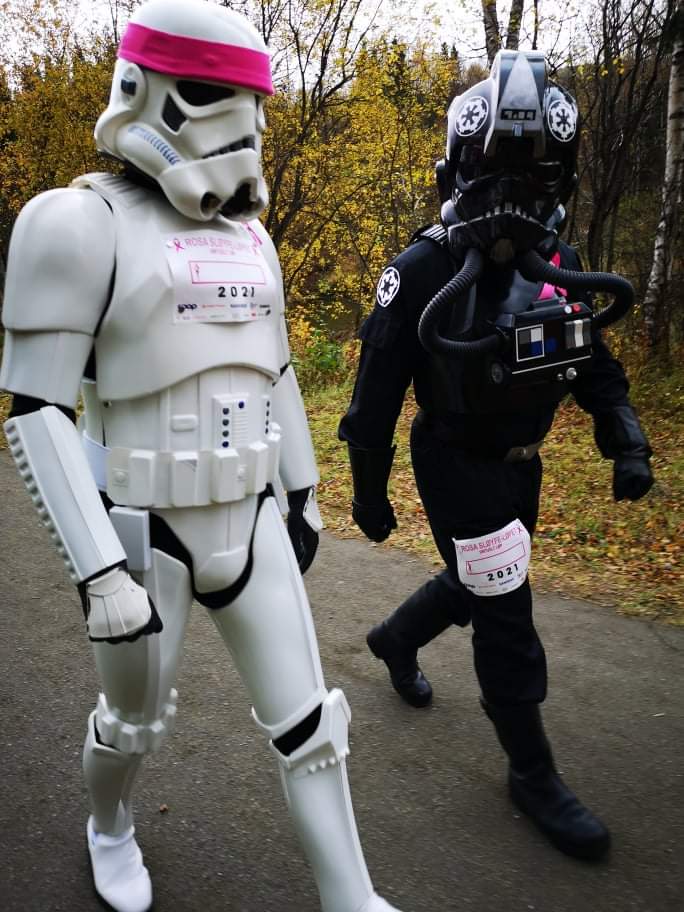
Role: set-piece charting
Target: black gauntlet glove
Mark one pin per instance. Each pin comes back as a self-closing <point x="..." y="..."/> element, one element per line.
<point x="619" y="437"/>
<point x="371" y="510"/>
<point x="302" y="534"/>
<point x="376" y="522"/>
<point x="632" y="477"/>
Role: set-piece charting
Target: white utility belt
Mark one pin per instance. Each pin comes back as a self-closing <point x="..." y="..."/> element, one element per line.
<point x="188" y="478"/>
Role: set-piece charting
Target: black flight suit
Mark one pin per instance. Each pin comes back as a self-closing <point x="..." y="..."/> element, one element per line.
<point x="469" y="481"/>
<point x="477" y="470"/>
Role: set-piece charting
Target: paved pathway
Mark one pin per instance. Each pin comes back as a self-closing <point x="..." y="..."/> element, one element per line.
<point x="438" y="830"/>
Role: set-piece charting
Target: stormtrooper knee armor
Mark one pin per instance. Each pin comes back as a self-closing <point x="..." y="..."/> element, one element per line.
<point x="312" y="758"/>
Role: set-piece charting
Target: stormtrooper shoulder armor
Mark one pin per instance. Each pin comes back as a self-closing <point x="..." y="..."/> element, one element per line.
<point x="59" y="272"/>
<point x="60" y="264"/>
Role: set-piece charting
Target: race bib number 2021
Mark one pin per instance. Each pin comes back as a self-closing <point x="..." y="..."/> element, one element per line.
<point x="495" y="563"/>
<point x="219" y="278"/>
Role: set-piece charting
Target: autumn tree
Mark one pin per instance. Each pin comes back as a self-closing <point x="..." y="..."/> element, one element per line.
<point x="615" y="73"/>
<point x="384" y="185"/>
<point x="49" y="127"/>
<point x="119" y="13"/>
<point x="661" y="299"/>
<point x="356" y="126"/>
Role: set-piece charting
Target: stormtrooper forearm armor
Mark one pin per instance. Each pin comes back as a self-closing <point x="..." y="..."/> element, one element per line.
<point x="48" y="453"/>
<point x="47" y="450"/>
<point x="297" y="460"/>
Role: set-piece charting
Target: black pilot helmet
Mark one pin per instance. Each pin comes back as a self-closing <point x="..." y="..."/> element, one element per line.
<point x="511" y="156"/>
<point x="509" y="169"/>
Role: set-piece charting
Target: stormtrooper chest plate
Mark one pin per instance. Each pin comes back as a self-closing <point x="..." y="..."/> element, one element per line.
<point x="188" y="297"/>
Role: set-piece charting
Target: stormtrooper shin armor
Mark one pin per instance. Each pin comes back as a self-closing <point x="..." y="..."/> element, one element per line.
<point x="191" y="415"/>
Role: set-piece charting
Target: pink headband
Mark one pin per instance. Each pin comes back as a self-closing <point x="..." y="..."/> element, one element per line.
<point x="195" y="58"/>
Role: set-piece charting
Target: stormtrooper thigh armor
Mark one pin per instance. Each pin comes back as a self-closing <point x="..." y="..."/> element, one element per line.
<point x="269" y="632"/>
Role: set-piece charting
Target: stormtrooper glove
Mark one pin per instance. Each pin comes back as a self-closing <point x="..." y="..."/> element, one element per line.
<point x="117" y="609"/>
<point x="303" y="525"/>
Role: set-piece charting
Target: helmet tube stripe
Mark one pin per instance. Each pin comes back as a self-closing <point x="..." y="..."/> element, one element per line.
<point x="195" y="58"/>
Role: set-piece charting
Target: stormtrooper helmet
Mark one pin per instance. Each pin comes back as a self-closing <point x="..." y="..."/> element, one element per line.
<point x="186" y="107"/>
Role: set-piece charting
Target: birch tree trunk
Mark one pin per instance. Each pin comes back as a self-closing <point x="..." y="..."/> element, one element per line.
<point x="490" y="20"/>
<point x="657" y="308"/>
<point x="514" y="24"/>
<point x="2" y="278"/>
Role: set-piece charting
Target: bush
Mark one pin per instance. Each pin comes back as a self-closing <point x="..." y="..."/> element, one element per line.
<point x="318" y="358"/>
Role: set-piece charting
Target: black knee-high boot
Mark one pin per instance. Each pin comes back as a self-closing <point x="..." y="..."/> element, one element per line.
<point x="537" y="789"/>
<point x="423" y="616"/>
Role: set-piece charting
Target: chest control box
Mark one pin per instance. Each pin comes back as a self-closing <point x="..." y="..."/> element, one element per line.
<point x="548" y="342"/>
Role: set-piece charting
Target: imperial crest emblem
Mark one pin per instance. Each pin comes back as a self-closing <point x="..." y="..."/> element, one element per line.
<point x="472" y="115"/>
<point x="388" y="286"/>
<point x="562" y="120"/>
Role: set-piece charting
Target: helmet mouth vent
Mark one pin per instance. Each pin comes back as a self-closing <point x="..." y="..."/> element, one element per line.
<point x="247" y="142"/>
<point x="239" y="203"/>
<point x="210" y="204"/>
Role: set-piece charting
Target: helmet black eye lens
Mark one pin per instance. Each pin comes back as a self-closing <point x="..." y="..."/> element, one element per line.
<point x="202" y="93"/>
<point x="471" y="162"/>
<point x="549" y="172"/>
<point x="172" y="116"/>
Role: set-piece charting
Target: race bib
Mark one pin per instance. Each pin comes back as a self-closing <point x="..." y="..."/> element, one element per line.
<point x="219" y="278"/>
<point x="496" y="563"/>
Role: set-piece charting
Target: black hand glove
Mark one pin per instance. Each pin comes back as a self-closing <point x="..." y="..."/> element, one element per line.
<point x="632" y="477"/>
<point x="371" y="510"/>
<point x="303" y="537"/>
<point x="375" y="521"/>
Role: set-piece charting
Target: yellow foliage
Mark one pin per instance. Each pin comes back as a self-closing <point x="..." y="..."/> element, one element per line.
<point x="367" y="171"/>
<point x="299" y="330"/>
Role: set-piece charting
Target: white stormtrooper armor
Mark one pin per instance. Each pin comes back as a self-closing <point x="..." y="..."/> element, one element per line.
<point x="170" y="318"/>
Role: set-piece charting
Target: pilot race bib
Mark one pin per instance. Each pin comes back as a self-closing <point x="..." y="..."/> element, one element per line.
<point x="495" y="563"/>
<point x="219" y="278"/>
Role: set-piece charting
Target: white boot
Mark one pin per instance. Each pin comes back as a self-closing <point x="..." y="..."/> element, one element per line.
<point x="317" y="790"/>
<point x="377" y="904"/>
<point x="120" y="876"/>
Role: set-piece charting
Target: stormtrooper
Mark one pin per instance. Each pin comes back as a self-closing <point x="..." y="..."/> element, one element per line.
<point x="489" y="315"/>
<point x="158" y="294"/>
